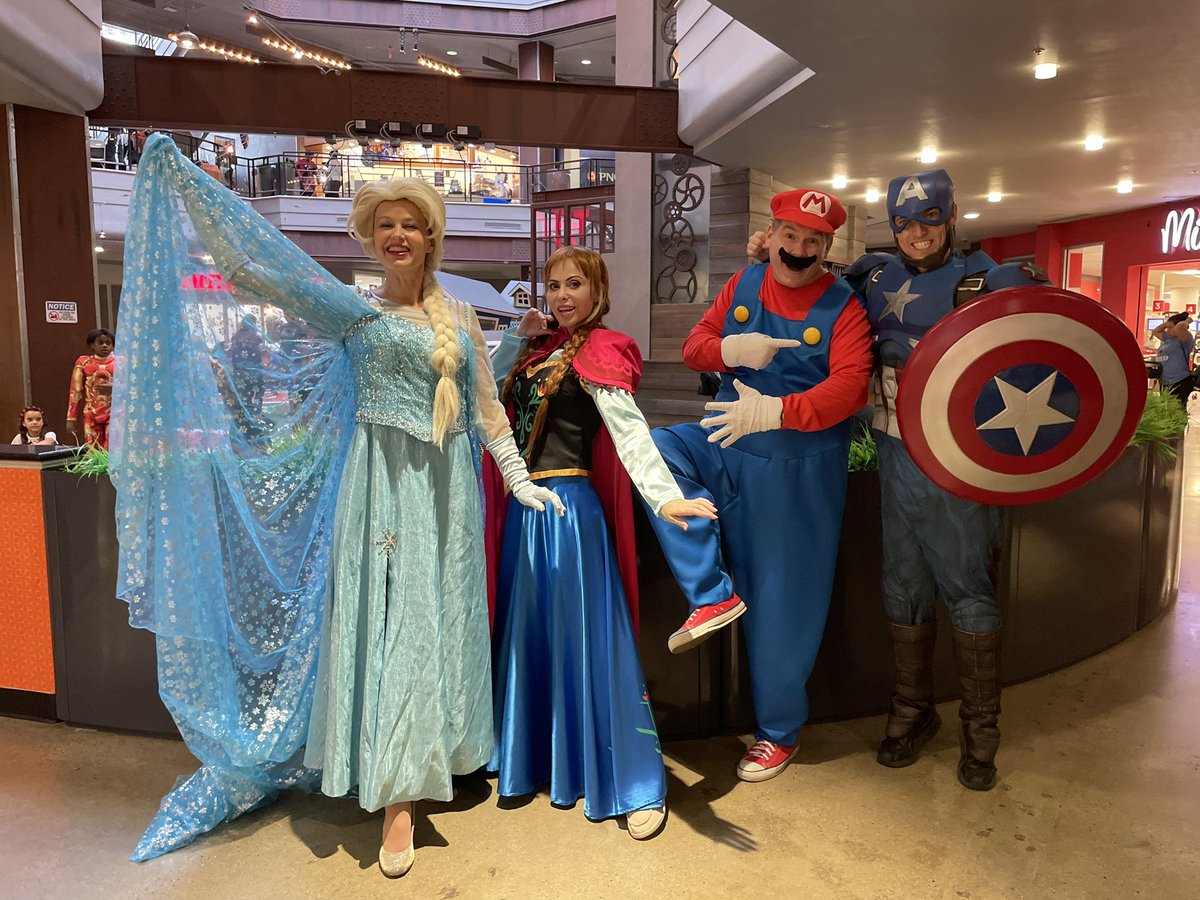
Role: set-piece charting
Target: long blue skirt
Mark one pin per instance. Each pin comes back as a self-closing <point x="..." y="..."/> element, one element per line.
<point x="571" y="708"/>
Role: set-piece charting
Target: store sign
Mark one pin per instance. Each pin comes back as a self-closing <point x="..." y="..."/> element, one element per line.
<point x="61" y="312"/>
<point x="202" y="281"/>
<point x="1181" y="230"/>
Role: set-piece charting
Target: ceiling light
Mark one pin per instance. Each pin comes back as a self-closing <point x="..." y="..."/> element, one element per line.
<point x="995" y="197"/>
<point x="98" y="249"/>
<point x="187" y="39"/>
<point x="1125" y="186"/>
<point x="253" y="20"/>
<point x="839" y="182"/>
<point x="872" y="195"/>
<point x="1043" y="70"/>
<point x="585" y="62"/>
<point x="437" y="66"/>
<point x="971" y="215"/>
<point x="300" y="53"/>
<point x="225" y="52"/>
<point x="1093" y="142"/>
<point x="1188" y="272"/>
<point x="452" y="53"/>
<point x="928" y="155"/>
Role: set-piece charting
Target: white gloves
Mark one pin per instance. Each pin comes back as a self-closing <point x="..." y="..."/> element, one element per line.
<point x="752" y="349"/>
<point x="528" y="493"/>
<point x="751" y="412"/>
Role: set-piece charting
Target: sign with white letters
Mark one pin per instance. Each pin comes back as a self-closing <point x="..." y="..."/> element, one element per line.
<point x="1181" y="229"/>
<point x="61" y="312"/>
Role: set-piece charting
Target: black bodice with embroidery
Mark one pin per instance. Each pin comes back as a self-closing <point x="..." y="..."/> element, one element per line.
<point x="571" y="422"/>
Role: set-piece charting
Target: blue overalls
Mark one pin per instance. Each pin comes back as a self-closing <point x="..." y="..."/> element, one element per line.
<point x="780" y="496"/>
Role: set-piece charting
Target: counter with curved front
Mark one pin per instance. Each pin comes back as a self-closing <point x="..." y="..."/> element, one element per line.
<point x="1076" y="575"/>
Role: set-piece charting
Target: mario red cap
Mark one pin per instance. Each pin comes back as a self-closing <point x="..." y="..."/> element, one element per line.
<point x="812" y="209"/>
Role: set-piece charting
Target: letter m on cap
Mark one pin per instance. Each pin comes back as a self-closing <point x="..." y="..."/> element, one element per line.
<point x="815" y="202"/>
<point x="911" y="188"/>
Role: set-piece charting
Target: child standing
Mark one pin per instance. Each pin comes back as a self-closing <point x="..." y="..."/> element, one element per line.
<point x="91" y="389"/>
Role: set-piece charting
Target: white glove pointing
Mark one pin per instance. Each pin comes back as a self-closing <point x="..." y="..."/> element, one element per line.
<point x="753" y="349"/>
<point x="516" y="476"/>
<point x="750" y="413"/>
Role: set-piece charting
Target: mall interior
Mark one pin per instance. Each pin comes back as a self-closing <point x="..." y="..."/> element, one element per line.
<point x="654" y="132"/>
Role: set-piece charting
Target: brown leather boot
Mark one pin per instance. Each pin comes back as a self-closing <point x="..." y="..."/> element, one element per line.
<point x="977" y="662"/>
<point x="912" y="720"/>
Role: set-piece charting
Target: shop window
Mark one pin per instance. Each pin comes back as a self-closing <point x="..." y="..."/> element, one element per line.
<point x="1082" y="267"/>
<point x="1171" y="288"/>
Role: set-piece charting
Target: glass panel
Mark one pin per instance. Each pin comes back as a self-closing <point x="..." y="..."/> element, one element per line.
<point x="1082" y="268"/>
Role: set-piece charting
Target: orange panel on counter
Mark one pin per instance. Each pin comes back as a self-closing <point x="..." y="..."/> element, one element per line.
<point x="26" y="648"/>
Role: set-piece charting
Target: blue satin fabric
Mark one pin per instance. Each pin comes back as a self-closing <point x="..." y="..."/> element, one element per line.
<point x="571" y="707"/>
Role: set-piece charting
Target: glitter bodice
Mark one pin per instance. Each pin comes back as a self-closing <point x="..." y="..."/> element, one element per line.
<point x="394" y="383"/>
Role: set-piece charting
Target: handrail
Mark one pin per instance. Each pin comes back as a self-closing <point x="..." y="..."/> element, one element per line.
<point x="337" y="175"/>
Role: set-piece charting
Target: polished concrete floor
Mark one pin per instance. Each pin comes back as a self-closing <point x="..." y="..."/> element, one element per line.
<point x="1099" y="798"/>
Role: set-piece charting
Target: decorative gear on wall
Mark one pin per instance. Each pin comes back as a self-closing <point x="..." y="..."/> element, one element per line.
<point x="675" y="286"/>
<point x="689" y="192"/>
<point x="680" y="164"/>
<point x="661" y="188"/>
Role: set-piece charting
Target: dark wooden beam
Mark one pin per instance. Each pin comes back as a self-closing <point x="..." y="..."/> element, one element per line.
<point x="213" y="95"/>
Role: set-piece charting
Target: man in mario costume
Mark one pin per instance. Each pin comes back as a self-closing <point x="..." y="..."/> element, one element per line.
<point x="793" y="347"/>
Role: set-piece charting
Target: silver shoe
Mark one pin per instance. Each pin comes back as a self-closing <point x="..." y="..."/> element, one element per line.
<point x="393" y="865"/>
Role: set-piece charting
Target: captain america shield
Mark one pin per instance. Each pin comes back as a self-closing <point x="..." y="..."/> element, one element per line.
<point x="1021" y="395"/>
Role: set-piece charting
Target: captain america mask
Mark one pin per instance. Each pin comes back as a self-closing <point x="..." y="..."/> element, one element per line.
<point x="921" y="214"/>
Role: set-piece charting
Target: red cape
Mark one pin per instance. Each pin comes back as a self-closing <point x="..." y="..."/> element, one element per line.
<point x="608" y="358"/>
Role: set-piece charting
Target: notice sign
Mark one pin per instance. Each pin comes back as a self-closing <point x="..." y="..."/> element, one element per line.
<point x="61" y="312"/>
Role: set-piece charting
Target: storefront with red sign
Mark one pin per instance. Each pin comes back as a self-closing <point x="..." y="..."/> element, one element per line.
<point x="1143" y="264"/>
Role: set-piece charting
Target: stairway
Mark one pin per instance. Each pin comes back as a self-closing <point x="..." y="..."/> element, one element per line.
<point x="668" y="392"/>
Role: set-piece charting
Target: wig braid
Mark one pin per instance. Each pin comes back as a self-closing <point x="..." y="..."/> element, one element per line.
<point x="445" y="359"/>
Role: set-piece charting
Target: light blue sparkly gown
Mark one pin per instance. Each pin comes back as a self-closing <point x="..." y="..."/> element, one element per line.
<point x="318" y="561"/>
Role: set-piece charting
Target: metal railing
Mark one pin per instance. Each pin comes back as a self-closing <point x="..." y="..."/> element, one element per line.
<point x="339" y="175"/>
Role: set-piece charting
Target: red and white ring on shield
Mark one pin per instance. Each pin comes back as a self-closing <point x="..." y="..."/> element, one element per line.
<point x="1021" y="396"/>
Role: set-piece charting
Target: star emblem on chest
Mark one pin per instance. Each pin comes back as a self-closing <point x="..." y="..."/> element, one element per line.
<point x="897" y="301"/>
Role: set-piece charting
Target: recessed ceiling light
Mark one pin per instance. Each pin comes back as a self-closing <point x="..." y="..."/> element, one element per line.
<point x="995" y="196"/>
<point x="1093" y="142"/>
<point x="839" y="182"/>
<point x="452" y="53"/>
<point x="872" y="195"/>
<point x="585" y="62"/>
<point x="1044" y="71"/>
<point x="928" y="155"/>
<point x="1125" y="186"/>
<point x="970" y="215"/>
<point x="1188" y="272"/>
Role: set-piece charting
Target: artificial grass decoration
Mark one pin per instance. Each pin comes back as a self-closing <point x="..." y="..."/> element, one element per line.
<point x="93" y="463"/>
<point x="864" y="456"/>
<point x="1164" y="419"/>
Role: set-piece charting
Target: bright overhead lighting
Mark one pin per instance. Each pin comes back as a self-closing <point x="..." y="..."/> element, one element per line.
<point x="1093" y="142"/>
<point x="839" y="182"/>
<point x="252" y="20"/>
<point x="970" y="215"/>
<point x="440" y="67"/>
<point x="995" y="196"/>
<point x="1188" y="272"/>
<point x="1044" y="71"/>
<point x="186" y="39"/>
<point x="1125" y="186"/>
<point x="452" y="53"/>
<point x="928" y="155"/>
<point x="872" y="195"/>
<point x="98" y="249"/>
<point x="585" y="62"/>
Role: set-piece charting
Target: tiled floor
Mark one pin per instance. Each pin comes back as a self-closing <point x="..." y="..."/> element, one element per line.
<point x="1099" y="798"/>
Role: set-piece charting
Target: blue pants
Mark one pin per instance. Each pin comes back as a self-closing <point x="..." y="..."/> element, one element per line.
<point x="777" y="536"/>
<point x="934" y="541"/>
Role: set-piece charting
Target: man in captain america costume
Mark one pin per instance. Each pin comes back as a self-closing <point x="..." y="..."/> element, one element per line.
<point x="933" y="542"/>
<point x="793" y="348"/>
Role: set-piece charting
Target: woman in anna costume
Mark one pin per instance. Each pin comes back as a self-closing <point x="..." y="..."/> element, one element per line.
<point x="571" y="708"/>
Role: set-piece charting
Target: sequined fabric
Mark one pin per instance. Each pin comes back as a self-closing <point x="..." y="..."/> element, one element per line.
<point x="228" y="466"/>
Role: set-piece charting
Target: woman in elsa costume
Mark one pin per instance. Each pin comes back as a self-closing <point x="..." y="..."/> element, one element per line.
<point x="349" y="532"/>
<point x="571" y="706"/>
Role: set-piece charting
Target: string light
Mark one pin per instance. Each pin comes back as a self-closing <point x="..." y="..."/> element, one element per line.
<point x="438" y="66"/>
<point x="298" y="52"/>
<point x="225" y="52"/>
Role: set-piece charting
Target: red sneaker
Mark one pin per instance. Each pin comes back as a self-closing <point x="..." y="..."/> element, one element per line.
<point x="764" y="761"/>
<point x="704" y="622"/>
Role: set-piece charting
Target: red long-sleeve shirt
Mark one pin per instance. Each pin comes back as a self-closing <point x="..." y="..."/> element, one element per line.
<point x="837" y="397"/>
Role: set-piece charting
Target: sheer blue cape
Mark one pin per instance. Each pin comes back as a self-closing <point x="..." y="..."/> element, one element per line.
<point x="229" y="431"/>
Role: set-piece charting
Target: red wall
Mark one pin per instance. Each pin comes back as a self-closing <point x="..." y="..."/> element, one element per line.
<point x="1131" y="240"/>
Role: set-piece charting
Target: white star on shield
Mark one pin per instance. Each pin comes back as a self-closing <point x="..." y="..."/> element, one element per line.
<point x="897" y="300"/>
<point x="1026" y="413"/>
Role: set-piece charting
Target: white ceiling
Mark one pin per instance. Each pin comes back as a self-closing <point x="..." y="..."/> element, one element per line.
<point x="224" y="21"/>
<point x="891" y="78"/>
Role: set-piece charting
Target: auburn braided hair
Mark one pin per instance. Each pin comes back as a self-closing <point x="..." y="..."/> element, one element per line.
<point x="591" y="266"/>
